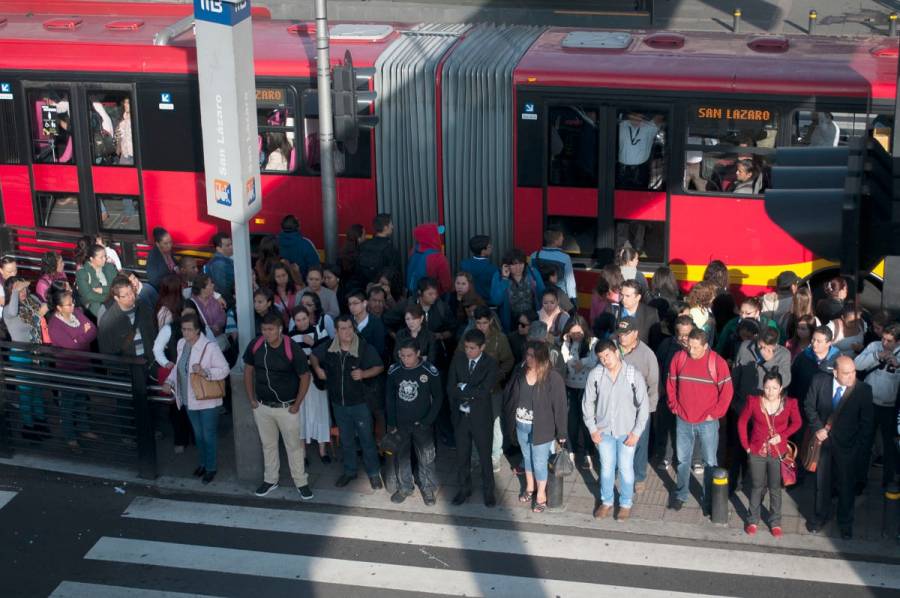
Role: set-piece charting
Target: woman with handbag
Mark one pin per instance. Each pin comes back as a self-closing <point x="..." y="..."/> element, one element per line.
<point x="198" y="382"/>
<point x="772" y="418"/>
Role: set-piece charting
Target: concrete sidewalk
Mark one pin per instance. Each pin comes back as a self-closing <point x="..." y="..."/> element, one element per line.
<point x="649" y="517"/>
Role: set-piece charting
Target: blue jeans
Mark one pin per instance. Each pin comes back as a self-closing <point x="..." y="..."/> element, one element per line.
<point x="205" y="423"/>
<point x="534" y="456"/>
<point x="31" y="403"/>
<point x="615" y="455"/>
<point x="685" y="436"/>
<point x="355" y="421"/>
<point x="641" y="454"/>
<point x="73" y="413"/>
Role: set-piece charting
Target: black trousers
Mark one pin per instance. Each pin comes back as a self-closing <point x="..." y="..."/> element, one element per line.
<point x="886" y="426"/>
<point x="480" y="430"/>
<point x="836" y="471"/>
<point x="765" y="474"/>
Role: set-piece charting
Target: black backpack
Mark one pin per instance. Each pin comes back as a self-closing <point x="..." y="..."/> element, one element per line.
<point x="371" y="261"/>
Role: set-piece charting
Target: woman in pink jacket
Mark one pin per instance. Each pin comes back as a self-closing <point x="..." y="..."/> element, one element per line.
<point x="198" y="354"/>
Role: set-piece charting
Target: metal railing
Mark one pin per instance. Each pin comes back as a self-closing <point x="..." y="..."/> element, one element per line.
<point x="87" y="405"/>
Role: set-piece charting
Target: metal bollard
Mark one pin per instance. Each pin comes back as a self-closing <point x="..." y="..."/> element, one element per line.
<point x="736" y="23"/>
<point x="892" y="24"/>
<point x="813" y="17"/>
<point x="719" y="495"/>
<point x="556" y="485"/>
<point x="890" y="517"/>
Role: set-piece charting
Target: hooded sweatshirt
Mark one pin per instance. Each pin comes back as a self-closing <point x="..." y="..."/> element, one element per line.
<point x="427" y="237"/>
<point x="299" y="250"/>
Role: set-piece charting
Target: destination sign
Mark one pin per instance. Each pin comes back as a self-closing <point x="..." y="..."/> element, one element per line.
<point x="734" y="114"/>
<point x="269" y="94"/>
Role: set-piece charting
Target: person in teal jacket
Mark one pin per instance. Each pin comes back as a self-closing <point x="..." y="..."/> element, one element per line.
<point x="516" y="288"/>
<point x="729" y="341"/>
<point x="93" y="279"/>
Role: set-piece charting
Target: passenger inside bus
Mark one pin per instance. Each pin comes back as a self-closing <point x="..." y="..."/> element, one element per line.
<point x="279" y="151"/>
<point x="638" y="138"/>
<point x="124" y="144"/>
<point x="822" y="131"/>
<point x="111" y="135"/>
<point x="51" y="135"/>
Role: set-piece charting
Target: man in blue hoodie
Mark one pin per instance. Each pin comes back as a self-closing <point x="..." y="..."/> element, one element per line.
<point x="480" y="265"/>
<point x="551" y="254"/>
<point x="296" y="248"/>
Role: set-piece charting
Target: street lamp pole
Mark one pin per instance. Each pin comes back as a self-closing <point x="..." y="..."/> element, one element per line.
<point x="326" y="133"/>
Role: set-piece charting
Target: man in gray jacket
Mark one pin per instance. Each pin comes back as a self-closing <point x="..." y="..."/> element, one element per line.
<point x="635" y="352"/>
<point x="615" y="408"/>
<point x="754" y="359"/>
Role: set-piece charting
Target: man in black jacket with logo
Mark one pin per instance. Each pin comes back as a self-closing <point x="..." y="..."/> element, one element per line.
<point x="349" y="366"/>
<point x="473" y="374"/>
<point x="839" y="411"/>
<point x="413" y="399"/>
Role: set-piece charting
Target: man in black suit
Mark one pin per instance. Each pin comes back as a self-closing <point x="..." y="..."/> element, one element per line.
<point x="839" y="411"/>
<point x="473" y="374"/>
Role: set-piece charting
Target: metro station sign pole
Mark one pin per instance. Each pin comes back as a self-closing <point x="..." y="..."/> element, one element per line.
<point x="230" y="147"/>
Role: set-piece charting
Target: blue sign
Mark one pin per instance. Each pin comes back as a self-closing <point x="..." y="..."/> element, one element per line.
<point x="165" y="98"/>
<point x="529" y="108"/>
<point x="223" y="12"/>
<point x="5" y="88"/>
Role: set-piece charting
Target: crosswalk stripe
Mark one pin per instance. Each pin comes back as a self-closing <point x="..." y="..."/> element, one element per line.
<point x="421" y="580"/>
<point x="75" y="589"/>
<point x="534" y="544"/>
<point x="6" y="496"/>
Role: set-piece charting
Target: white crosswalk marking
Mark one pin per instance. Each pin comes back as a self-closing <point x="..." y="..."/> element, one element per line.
<point x="355" y="573"/>
<point x="6" y="496"/>
<point x="74" y="589"/>
<point x="533" y="544"/>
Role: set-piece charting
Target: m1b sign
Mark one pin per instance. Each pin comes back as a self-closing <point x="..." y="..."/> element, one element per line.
<point x="228" y="108"/>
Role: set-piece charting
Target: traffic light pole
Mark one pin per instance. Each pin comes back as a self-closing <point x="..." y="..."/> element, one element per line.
<point x="326" y="133"/>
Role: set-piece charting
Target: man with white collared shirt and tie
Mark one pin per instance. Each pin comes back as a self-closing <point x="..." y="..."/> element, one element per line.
<point x="472" y="377"/>
<point x="839" y="411"/>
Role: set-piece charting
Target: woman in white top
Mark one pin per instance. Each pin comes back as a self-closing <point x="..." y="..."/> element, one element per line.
<point x="578" y="354"/>
<point x="198" y="355"/>
<point x="314" y="408"/>
<point x="849" y="331"/>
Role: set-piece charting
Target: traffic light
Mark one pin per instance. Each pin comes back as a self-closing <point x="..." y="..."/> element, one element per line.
<point x="349" y="99"/>
<point x="836" y="201"/>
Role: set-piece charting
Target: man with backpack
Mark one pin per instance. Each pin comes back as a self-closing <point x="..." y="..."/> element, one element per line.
<point x="378" y="255"/>
<point x="616" y="410"/>
<point x="426" y="259"/>
<point x="698" y="391"/>
<point x="551" y="255"/>
<point x="276" y="378"/>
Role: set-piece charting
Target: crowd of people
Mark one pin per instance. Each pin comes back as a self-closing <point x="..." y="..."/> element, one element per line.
<point x="499" y="359"/>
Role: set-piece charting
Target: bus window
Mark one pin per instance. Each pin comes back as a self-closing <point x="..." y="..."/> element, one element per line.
<point x="573" y="146"/>
<point x="119" y="213"/>
<point x="58" y="210"/>
<point x="830" y="129"/>
<point x="9" y="134"/>
<point x="109" y="117"/>
<point x="641" y="150"/>
<point x="51" y="134"/>
<point x="275" y="121"/>
<point x="729" y="149"/>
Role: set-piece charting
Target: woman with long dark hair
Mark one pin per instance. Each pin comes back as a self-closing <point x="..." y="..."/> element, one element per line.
<point x="536" y="415"/>
<point x="51" y="269"/>
<point x="314" y="415"/>
<point x="284" y="291"/>
<point x="764" y="426"/>
<point x="161" y="260"/>
<point x="578" y="354"/>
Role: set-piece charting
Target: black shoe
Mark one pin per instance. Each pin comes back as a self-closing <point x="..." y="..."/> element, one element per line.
<point x="490" y="501"/>
<point x="429" y="500"/>
<point x="461" y="497"/>
<point x="344" y="480"/>
<point x="266" y="488"/>
<point x="200" y="471"/>
<point x="846" y="533"/>
<point x="676" y="504"/>
<point x="326" y="459"/>
<point x="398" y="497"/>
<point x="305" y="492"/>
<point x="375" y="482"/>
<point x="208" y="476"/>
<point x="814" y="526"/>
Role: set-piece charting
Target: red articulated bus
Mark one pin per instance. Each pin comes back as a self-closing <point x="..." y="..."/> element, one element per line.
<point x="661" y="139"/>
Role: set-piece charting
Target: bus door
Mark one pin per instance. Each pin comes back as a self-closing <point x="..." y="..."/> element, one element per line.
<point x="84" y="163"/>
<point x="606" y="178"/>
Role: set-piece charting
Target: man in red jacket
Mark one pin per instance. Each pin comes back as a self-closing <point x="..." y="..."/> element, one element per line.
<point x="698" y="391"/>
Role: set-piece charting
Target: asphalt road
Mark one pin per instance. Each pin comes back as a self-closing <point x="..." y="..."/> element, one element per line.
<point x="67" y="536"/>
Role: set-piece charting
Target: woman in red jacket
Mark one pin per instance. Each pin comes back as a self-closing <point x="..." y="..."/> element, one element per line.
<point x="774" y="419"/>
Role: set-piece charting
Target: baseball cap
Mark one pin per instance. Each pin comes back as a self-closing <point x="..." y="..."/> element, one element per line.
<point x="626" y="325"/>
<point x="786" y="280"/>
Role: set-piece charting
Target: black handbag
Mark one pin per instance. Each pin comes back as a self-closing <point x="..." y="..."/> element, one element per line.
<point x="561" y="463"/>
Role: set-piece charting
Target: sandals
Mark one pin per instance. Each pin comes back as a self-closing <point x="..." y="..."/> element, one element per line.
<point x="539" y="507"/>
<point x="526" y="496"/>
